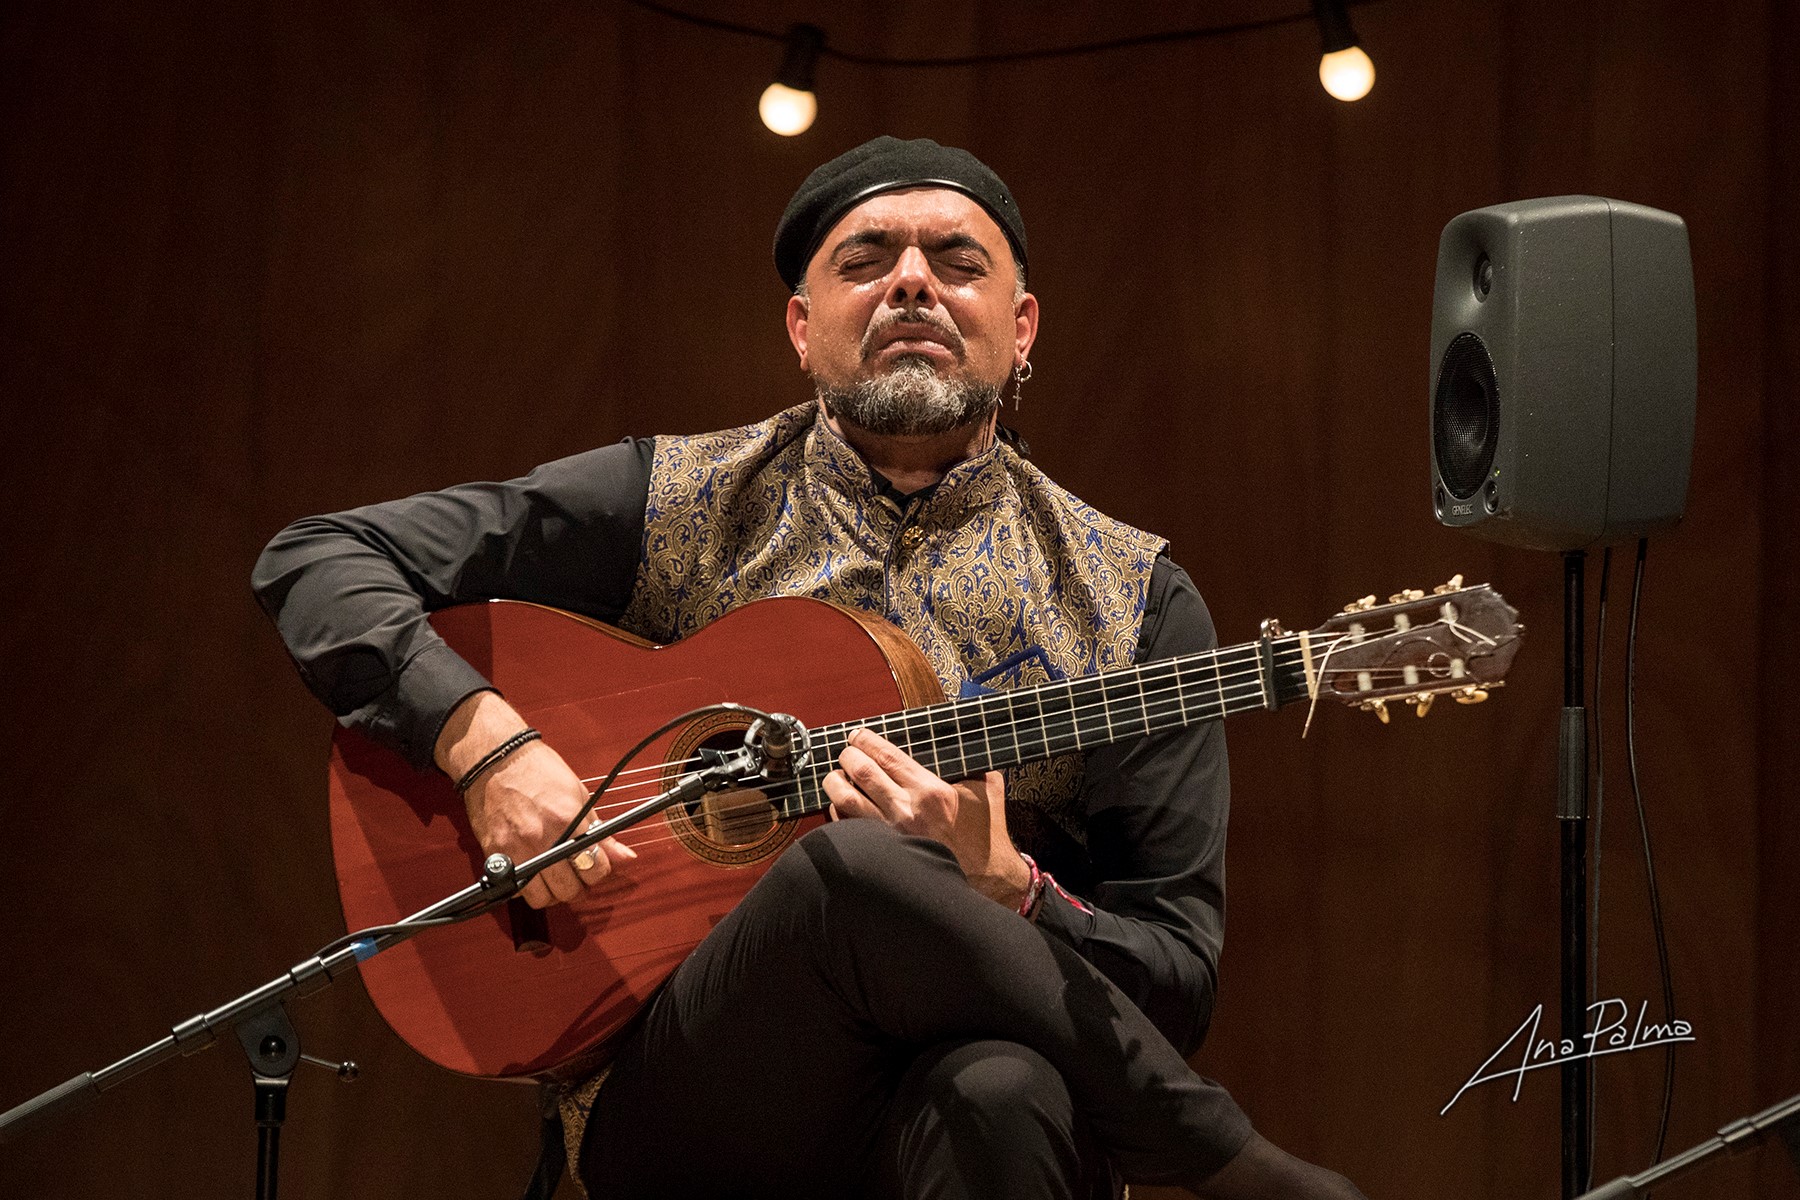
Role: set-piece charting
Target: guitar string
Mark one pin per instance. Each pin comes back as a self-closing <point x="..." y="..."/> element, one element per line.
<point x="1150" y="672"/>
<point x="917" y="719"/>
<point x="742" y="823"/>
<point x="748" y="819"/>
<point x="1111" y="679"/>
<point x="1144" y="674"/>
<point x="948" y="707"/>
<point x="752" y="817"/>
<point x="758" y="812"/>
<point x="1143" y="671"/>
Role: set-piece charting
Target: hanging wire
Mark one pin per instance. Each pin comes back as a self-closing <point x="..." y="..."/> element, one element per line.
<point x="1599" y="825"/>
<point x="974" y="60"/>
<point x="1655" y="895"/>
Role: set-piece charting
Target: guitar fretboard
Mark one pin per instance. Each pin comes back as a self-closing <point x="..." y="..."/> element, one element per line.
<point x="957" y="739"/>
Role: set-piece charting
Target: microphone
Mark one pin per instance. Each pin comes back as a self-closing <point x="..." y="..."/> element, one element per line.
<point x="779" y="743"/>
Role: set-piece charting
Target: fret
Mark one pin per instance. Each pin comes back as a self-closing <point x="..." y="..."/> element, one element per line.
<point x="1242" y="675"/>
<point x="956" y="739"/>
<point x="1161" y="693"/>
<point x="902" y="730"/>
<point x="940" y="727"/>
<point x="1088" y="712"/>
<point x="1124" y="697"/>
<point x="1199" y="689"/>
<point x="1219" y="679"/>
<point x="1056" y="713"/>
<point x="971" y="724"/>
<point x="1028" y="731"/>
<point x="1004" y="731"/>
<point x="987" y="733"/>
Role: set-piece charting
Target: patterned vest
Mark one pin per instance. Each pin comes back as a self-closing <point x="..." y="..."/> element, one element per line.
<point x="1001" y="578"/>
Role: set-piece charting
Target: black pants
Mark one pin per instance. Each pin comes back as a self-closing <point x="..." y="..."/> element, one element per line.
<point x="864" y="1024"/>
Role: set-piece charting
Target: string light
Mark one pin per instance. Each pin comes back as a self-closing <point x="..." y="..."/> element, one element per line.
<point x="788" y="105"/>
<point x="1344" y="68"/>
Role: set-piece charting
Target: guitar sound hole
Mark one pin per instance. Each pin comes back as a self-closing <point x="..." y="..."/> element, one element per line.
<point x="733" y="828"/>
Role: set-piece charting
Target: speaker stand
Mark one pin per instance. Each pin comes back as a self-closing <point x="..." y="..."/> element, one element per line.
<point x="1572" y="815"/>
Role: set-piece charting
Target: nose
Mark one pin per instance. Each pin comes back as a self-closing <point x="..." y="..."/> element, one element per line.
<point x="912" y="284"/>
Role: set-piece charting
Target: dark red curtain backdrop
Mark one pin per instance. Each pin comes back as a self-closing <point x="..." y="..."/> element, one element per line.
<point x="264" y="260"/>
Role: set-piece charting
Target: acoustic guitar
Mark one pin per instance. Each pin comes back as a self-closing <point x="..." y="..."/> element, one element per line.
<point x="488" y="997"/>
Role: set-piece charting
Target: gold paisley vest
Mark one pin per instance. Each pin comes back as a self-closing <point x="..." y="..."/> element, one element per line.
<point x="1002" y="578"/>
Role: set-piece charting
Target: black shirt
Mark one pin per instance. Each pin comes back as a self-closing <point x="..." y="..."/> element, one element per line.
<point x="349" y="593"/>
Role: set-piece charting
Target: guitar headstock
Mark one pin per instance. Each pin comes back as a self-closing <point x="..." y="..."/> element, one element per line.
<point x="1456" y="640"/>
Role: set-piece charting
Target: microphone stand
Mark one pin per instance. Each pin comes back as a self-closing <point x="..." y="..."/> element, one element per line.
<point x="259" y="1015"/>
<point x="1572" y="822"/>
<point x="1782" y="1119"/>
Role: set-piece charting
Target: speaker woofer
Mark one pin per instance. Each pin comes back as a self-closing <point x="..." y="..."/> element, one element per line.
<point x="1465" y="416"/>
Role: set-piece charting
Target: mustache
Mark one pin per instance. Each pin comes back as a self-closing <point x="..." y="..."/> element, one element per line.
<point x="940" y="326"/>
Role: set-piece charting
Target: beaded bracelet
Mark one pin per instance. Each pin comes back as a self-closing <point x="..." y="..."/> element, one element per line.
<point x="494" y="757"/>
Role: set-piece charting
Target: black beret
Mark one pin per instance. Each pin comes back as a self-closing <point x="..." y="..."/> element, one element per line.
<point x="885" y="164"/>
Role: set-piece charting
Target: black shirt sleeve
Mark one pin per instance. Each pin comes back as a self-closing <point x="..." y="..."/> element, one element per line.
<point x="1154" y="869"/>
<point x="349" y="591"/>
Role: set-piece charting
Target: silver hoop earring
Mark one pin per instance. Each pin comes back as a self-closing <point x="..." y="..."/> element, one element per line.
<point x="1021" y="373"/>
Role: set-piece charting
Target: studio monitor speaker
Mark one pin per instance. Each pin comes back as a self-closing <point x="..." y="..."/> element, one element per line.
<point x="1563" y="372"/>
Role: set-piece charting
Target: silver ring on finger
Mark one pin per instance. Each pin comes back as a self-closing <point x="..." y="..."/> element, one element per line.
<point x="589" y="858"/>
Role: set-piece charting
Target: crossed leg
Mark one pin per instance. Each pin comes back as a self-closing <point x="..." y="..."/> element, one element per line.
<point x="776" y="1061"/>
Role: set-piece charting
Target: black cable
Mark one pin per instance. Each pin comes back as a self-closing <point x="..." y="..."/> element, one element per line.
<point x="973" y="60"/>
<point x="408" y="927"/>
<point x="671" y="723"/>
<point x="707" y="22"/>
<point x="1599" y="822"/>
<point x="478" y="907"/>
<point x="1656" y="919"/>
<point x="1142" y="39"/>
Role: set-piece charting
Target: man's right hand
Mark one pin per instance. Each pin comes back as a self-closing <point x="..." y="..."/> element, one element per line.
<point x="519" y="807"/>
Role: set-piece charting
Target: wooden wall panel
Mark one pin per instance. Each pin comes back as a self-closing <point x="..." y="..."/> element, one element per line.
<point x="263" y="261"/>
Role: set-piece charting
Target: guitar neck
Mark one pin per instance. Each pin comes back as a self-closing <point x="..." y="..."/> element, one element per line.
<point x="958" y="739"/>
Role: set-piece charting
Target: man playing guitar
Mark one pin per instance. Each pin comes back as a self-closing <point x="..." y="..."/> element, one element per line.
<point x="982" y="987"/>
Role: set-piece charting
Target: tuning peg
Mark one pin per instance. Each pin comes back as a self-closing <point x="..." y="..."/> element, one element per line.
<point x="1471" y="695"/>
<point x="1401" y="597"/>
<point x="1444" y="589"/>
<point x="1423" y="700"/>
<point x="1378" y="707"/>
<point x="1363" y="605"/>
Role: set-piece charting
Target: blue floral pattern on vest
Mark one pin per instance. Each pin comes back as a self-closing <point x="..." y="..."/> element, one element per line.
<point x="1002" y="578"/>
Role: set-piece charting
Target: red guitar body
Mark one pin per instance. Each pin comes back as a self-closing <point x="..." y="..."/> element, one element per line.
<point x="466" y="996"/>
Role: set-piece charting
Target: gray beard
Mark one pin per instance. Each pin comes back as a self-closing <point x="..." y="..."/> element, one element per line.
<point x="912" y="398"/>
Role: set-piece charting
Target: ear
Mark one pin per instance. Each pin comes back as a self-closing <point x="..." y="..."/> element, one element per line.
<point x="796" y="327"/>
<point x="1025" y="326"/>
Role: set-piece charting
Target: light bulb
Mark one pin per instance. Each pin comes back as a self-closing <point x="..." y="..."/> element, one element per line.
<point x="787" y="110"/>
<point x="1347" y="74"/>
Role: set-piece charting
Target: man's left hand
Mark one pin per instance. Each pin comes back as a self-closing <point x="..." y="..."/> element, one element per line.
<point x="876" y="779"/>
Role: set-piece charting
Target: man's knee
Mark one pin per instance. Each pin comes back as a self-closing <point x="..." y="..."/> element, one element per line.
<point x="996" y="1084"/>
<point x="987" y="1118"/>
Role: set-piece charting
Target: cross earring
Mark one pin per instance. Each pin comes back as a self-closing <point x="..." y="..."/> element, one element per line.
<point x="1021" y="373"/>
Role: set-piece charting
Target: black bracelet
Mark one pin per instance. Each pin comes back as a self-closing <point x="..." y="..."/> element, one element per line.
<point x="493" y="758"/>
